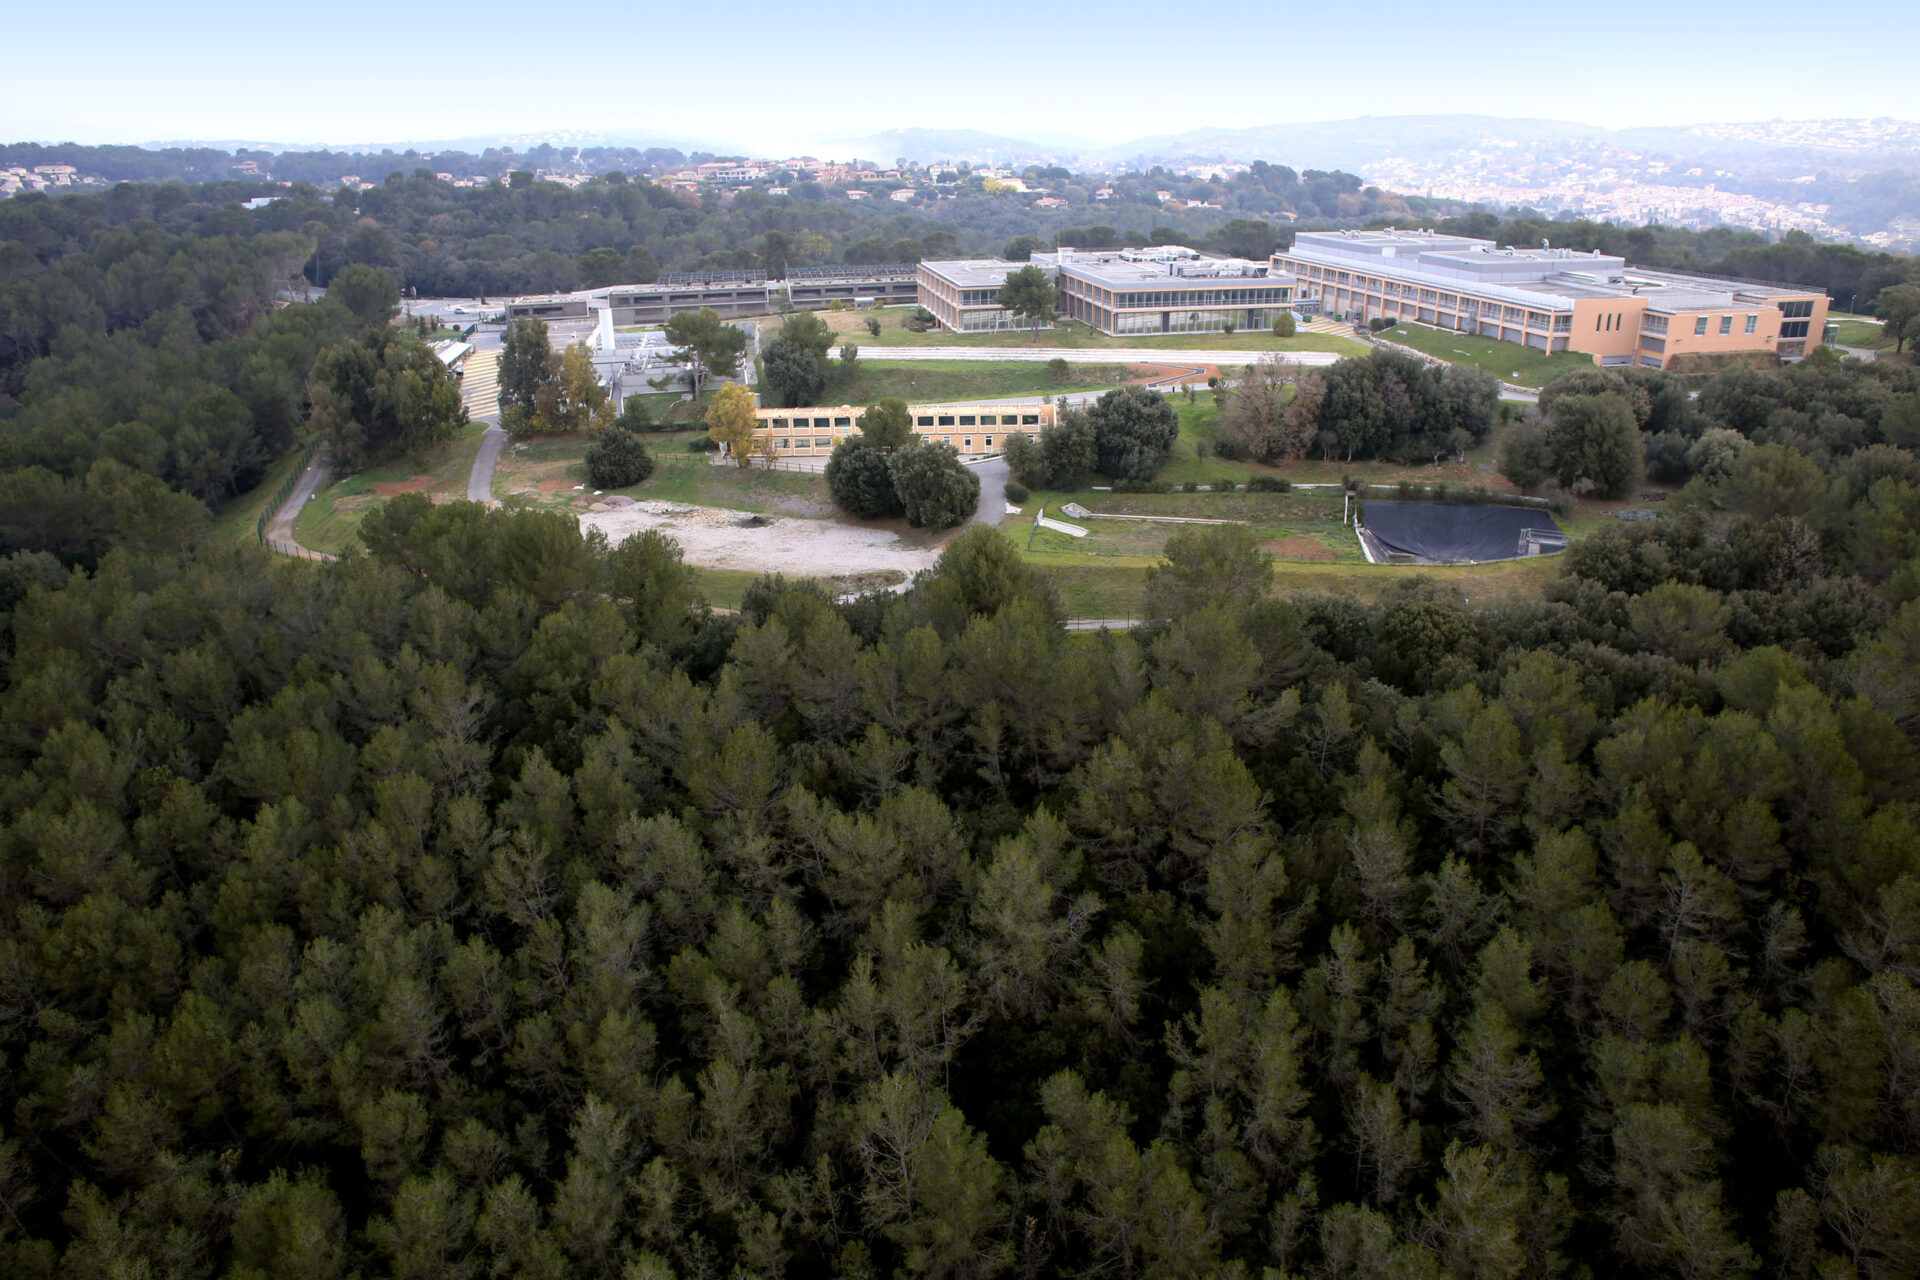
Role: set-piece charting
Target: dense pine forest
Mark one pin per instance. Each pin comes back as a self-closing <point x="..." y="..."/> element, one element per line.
<point x="485" y="904"/>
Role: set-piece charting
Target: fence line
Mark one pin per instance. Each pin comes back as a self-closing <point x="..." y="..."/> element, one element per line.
<point x="279" y="499"/>
<point x="294" y="550"/>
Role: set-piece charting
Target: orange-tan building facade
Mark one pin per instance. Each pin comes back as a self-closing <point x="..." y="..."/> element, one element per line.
<point x="972" y="429"/>
<point x="1549" y="299"/>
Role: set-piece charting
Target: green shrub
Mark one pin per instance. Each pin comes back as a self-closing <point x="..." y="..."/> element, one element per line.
<point x="1017" y="492"/>
<point x="616" y="458"/>
<point x="1284" y="325"/>
<point x="635" y="416"/>
<point x="1057" y="369"/>
<point x="1268" y="484"/>
<point x="861" y="481"/>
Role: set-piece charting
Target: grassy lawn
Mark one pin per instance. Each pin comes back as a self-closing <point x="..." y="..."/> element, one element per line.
<point x="543" y="473"/>
<point x="1112" y="588"/>
<point x="1863" y="333"/>
<point x="329" y="521"/>
<point x="690" y="478"/>
<point x="670" y="406"/>
<point x="1507" y="361"/>
<point x="724" y="588"/>
<point x="894" y="333"/>
<point x="926" y="381"/>
<point x="238" y="519"/>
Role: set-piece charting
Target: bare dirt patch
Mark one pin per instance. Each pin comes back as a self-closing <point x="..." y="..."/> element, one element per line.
<point x="418" y="484"/>
<point x="1298" y="548"/>
<point x="1179" y="372"/>
<point x="716" y="538"/>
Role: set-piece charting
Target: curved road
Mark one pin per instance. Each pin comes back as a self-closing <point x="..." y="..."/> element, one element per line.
<point x="480" y="479"/>
<point x="994" y="475"/>
<point x="280" y="528"/>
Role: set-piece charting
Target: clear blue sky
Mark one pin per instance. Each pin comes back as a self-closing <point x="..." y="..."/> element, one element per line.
<point x="762" y="76"/>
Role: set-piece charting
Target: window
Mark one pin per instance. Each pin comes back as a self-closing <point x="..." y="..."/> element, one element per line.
<point x="923" y="421"/>
<point x="988" y="420"/>
<point x="967" y="445"/>
<point x="946" y="420"/>
<point x="781" y="443"/>
<point x="843" y="422"/>
<point x="1794" y="328"/>
<point x="966" y="419"/>
<point x="1752" y="322"/>
<point x="1699" y="326"/>
<point x="779" y="424"/>
<point x="1796" y="310"/>
<point x="1029" y="419"/>
<point x="819" y="424"/>
<point x="989" y="442"/>
<point x="1726" y="325"/>
<point x="823" y="442"/>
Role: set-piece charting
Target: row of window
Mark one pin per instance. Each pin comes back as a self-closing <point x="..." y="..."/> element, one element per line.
<point x="1726" y="325"/>
<point x="984" y="420"/>
<point x="1474" y="307"/>
<point x="1604" y="323"/>
<point x="1140" y="299"/>
<point x="818" y="424"/>
<point x="922" y="420"/>
<point x="826" y="442"/>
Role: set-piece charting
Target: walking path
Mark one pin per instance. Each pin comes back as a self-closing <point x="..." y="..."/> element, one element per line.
<point x="480" y="479"/>
<point x="480" y="393"/>
<point x="994" y="474"/>
<point x="279" y="533"/>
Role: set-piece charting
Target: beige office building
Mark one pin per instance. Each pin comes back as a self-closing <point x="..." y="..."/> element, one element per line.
<point x="974" y="430"/>
<point x="1144" y="291"/>
<point x="1549" y="299"/>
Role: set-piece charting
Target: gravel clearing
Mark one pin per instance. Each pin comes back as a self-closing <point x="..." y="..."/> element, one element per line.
<point x="716" y="538"/>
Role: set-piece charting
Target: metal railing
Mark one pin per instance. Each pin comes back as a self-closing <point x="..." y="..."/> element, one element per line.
<point x="295" y="550"/>
<point x="279" y="499"/>
<point x="1749" y="280"/>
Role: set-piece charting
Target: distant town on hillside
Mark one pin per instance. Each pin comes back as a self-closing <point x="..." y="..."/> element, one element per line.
<point x="1842" y="180"/>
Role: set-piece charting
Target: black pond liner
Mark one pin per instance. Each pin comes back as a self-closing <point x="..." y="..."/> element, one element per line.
<point x="1448" y="534"/>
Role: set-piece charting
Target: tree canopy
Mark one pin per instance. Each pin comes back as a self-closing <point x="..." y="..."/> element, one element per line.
<point x="731" y="421"/>
<point x="707" y="345"/>
<point x="1133" y="432"/>
<point x="487" y="904"/>
<point x="1030" y="295"/>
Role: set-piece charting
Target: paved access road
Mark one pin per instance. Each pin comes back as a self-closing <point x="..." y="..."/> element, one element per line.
<point x="280" y="528"/>
<point x="479" y="392"/>
<point x="1099" y="355"/>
